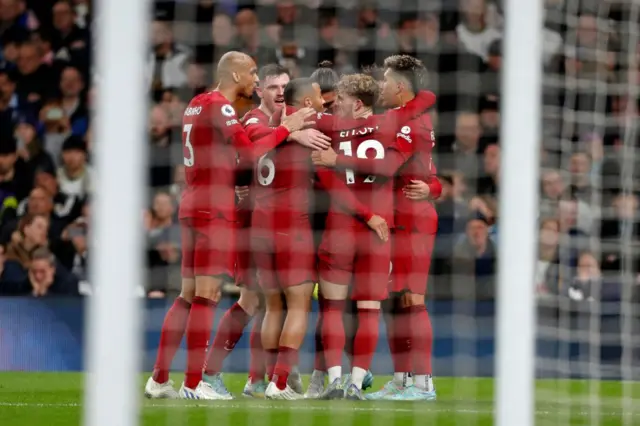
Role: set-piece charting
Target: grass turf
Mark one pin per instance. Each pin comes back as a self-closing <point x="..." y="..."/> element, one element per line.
<point x="55" y="399"/>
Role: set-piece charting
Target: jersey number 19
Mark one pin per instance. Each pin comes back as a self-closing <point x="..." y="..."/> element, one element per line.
<point x="361" y="152"/>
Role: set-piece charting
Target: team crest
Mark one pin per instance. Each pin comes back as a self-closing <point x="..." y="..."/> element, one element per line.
<point x="252" y="120"/>
<point x="228" y="111"/>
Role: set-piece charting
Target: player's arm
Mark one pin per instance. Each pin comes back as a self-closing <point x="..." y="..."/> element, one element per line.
<point x="428" y="189"/>
<point x="339" y="192"/>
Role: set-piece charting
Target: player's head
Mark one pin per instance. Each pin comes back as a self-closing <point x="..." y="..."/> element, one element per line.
<point x="273" y="79"/>
<point x="240" y="70"/>
<point x="303" y="93"/>
<point x="327" y="79"/>
<point x="357" y="95"/>
<point x="404" y="75"/>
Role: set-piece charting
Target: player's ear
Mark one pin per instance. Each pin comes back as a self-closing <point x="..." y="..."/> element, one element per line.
<point x="307" y="102"/>
<point x="236" y="77"/>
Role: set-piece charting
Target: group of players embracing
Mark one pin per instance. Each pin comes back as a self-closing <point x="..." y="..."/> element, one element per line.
<point x="249" y="211"/>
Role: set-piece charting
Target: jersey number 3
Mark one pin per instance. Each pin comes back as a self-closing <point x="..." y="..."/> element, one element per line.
<point x="190" y="160"/>
<point x="361" y="152"/>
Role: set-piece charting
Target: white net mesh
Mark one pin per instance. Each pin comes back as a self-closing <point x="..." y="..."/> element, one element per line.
<point x="587" y="268"/>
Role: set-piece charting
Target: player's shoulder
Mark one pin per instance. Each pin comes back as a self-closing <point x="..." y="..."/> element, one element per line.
<point x="214" y="102"/>
<point x="255" y="116"/>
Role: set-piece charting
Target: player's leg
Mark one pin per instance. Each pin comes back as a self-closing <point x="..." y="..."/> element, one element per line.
<point x="271" y="329"/>
<point x="229" y="332"/>
<point x="316" y="382"/>
<point x="256" y="383"/>
<point x="369" y="290"/>
<point x="214" y="260"/>
<point x="175" y="323"/>
<point x="413" y="274"/>
<point x="173" y="328"/>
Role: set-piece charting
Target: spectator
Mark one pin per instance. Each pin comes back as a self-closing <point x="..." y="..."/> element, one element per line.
<point x="163" y="242"/>
<point x="588" y="283"/>
<point x="70" y="42"/>
<point x="554" y="189"/>
<point x="56" y="128"/>
<point x="251" y="40"/>
<point x="328" y="32"/>
<point x="65" y="208"/>
<point x="222" y="35"/>
<point x="491" y="76"/>
<point x="31" y="235"/>
<point x="490" y="120"/>
<point x="45" y="278"/>
<point x="72" y="102"/>
<point x="175" y="190"/>
<point x="39" y="203"/>
<point x="9" y="107"/>
<point x="474" y="261"/>
<point x="75" y="176"/>
<point x="75" y="246"/>
<point x="30" y="148"/>
<point x="580" y="169"/>
<point x="16" y="179"/>
<point x="547" y="252"/>
<point x="161" y="170"/>
<point x="15" y="15"/>
<point x="167" y="62"/>
<point x="488" y="184"/>
<point x="35" y="80"/>
<point x="473" y="32"/>
<point x="466" y="148"/>
<point x="619" y="230"/>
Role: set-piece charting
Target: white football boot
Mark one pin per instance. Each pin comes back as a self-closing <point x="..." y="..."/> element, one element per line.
<point x="203" y="391"/>
<point x="288" y="394"/>
<point x="155" y="390"/>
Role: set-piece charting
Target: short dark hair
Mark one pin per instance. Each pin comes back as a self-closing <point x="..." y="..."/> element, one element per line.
<point x="326" y="77"/>
<point x="295" y="89"/>
<point x="272" y="70"/>
<point x="43" y="253"/>
<point x="409" y="68"/>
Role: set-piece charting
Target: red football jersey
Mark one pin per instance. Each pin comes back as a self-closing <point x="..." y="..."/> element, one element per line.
<point x="415" y="142"/>
<point x="282" y="185"/>
<point x="359" y="138"/>
<point x="208" y="126"/>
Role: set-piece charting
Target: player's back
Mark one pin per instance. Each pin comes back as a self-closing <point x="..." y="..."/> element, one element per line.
<point x="416" y="139"/>
<point x="209" y="159"/>
<point x="283" y="186"/>
<point x="363" y="140"/>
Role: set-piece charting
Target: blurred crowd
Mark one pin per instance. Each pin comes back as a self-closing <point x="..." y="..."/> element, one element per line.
<point x="588" y="232"/>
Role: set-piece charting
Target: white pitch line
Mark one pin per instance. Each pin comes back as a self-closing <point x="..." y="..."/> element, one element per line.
<point x="429" y="407"/>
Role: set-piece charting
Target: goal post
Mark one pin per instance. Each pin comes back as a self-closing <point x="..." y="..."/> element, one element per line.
<point x="113" y="328"/>
<point x="520" y="129"/>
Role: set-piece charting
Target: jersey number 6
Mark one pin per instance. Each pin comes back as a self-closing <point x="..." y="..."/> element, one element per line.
<point x="265" y="163"/>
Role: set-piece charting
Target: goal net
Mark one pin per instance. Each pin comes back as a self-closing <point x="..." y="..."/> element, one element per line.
<point x="587" y="270"/>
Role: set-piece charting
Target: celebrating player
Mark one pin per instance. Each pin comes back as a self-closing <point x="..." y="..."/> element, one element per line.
<point x="273" y="79"/>
<point x="212" y="138"/>
<point x="409" y="159"/>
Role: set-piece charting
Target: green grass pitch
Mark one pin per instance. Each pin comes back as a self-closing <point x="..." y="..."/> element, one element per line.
<point x="55" y="399"/>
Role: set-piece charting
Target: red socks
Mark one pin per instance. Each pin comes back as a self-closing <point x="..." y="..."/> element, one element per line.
<point x="257" y="368"/>
<point x="366" y="339"/>
<point x="229" y="332"/>
<point x="199" y="327"/>
<point x="319" y="364"/>
<point x="333" y="336"/>
<point x="422" y="340"/>
<point x="399" y="335"/>
<point x="175" y="322"/>
<point x="287" y="358"/>
<point x="270" y="359"/>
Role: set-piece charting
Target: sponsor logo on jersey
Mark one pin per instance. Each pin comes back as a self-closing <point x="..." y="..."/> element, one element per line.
<point x="192" y="111"/>
<point x="228" y="111"/>
<point x="406" y="130"/>
<point x="405" y="137"/>
<point x="231" y="122"/>
<point x="252" y="120"/>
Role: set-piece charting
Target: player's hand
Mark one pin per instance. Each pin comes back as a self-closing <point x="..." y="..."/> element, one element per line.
<point x="242" y="192"/>
<point x="379" y="226"/>
<point x="326" y="158"/>
<point x="417" y="190"/>
<point x="296" y="121"/>
<point x="312" y="138"/>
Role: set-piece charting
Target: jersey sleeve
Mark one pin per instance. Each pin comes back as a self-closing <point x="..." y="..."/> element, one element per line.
<point x="339" y="192"/>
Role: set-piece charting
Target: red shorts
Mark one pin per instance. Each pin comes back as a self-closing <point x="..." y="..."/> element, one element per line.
<point x="351" y="251"/>
<point x="411" y="260"/>
<point x="208" y="247"/>
<point x="284" y="257"/>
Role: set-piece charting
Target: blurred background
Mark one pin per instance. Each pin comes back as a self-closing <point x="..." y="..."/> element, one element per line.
<point x="588" y="272"/>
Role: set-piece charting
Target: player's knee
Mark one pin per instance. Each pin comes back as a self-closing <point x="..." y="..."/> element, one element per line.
<point x="249" y="301"/>
<point x="209" y="288"/>
<point x="273" y="302"/>
<point x="188" y="289"/>
<point x="331" y="291"/>
<point x="368" y="304"/>
<point x="412" y="299"/>
<point x="299" y="296"/>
